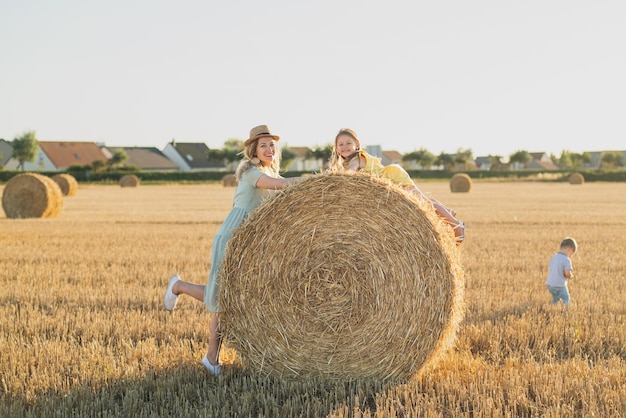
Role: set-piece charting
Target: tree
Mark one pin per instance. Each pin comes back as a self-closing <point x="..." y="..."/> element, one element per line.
<point x="495" y="162"/>
<point x="611" y="160"/>
<point x="233" y="148"/>
<point x="230" y="153"/>
<point x="422" y="156"/>
<point x="215" y="154"/>
<point x="565" y="160"/>
<point x="464" y="157"/>
<point x="97" y="166"/>
<point x="446" y="160"/>
<point x="522" y="157"/>
<point x="579" y="160"/>
<point x="286" y="157"/>
<point x="323" y="153"/>
<point x="118" y="159"/>
<point x="25" y="148"/>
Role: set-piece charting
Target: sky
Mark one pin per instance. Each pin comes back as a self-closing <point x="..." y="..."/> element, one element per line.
<point x="492" y="76"/>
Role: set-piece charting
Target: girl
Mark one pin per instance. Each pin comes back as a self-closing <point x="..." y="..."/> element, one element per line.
<point x="348" y="155"/>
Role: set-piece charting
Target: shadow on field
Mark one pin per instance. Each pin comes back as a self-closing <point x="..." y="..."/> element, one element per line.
<point x="517" y="311"/>
<point x="190" y="391"/>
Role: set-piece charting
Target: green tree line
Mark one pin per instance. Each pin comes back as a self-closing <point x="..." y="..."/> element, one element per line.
<point x="25" y="150"/>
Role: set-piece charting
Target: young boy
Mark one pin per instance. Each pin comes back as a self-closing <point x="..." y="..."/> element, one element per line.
<point x="560" y="270"/>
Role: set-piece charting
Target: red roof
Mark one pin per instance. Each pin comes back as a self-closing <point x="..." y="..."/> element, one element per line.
<point x="66" y="154"/>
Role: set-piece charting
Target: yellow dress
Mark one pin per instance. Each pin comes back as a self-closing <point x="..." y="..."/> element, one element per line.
<point x="393" y="172"/>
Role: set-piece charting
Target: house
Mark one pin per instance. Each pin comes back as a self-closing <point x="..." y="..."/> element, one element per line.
<point x="7" y="161"/>
<point x="375" y="150"/>
<point x="144" y="158"/>
<point x="489" y="162"/>
<point x="303" y="160"/>
<point x="483" y="163"/>
<point x="192" y="156"/>
<point x="391" y="157"/>
<point x="60" y="155"/>
<point x="386" y="157"/>
<point x="541" y="161"/>
<point x="596" y="158"/>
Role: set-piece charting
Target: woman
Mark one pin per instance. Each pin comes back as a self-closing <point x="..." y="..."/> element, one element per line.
<point x="257" y="174"/>
<point x="348" y="155"/>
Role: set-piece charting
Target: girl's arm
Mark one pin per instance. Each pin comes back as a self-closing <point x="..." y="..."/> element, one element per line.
<point x="356" y="164"/>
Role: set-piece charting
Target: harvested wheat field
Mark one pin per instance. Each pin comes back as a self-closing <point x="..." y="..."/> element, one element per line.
<point x="84" y="333"/>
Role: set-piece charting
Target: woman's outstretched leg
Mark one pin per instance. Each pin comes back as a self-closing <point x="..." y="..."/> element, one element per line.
<point x="178" y="287"/>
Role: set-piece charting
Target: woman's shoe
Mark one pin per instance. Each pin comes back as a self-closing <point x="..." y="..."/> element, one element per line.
<point x="213" y="369"/>
<point x="170" y="299"/>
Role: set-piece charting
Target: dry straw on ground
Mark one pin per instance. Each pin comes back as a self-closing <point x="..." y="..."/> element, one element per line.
<point x="32" y="195"/>
<point x="576" y="178"/>
<point x="460" y="183"/>
<point x="341" y="276"/>
<point x="229" y="180"/>
<point x="67" y="183"/>
<point x="129" y="180"/>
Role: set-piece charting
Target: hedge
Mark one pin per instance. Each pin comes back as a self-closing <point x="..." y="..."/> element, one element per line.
<point x="83" y="176"/>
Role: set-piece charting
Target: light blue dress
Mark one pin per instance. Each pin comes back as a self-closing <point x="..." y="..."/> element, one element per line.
<point x="247" y="198"/>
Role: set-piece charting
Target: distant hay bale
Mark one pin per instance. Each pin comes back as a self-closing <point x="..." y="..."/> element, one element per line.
<point x="365" y="282"/>
<point x="67" y="183"/>
<point x="460" y="183"/>
<point x="229" y="180"/>
<point x="129" y="180"/>
<point x="576" y="178"/>
<point x="31" y="195"/>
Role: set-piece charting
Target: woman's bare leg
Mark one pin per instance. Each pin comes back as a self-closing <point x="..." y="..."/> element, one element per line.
<point x="196" y="291"/>
<point x="215" y="339"/>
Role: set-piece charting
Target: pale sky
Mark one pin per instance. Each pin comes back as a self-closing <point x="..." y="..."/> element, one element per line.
<point x="493" y="76"/>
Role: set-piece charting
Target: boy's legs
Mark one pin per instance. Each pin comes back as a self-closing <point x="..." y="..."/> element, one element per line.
<point x="559" y="293"/>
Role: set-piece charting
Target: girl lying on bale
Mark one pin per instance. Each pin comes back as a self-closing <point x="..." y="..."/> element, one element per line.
<point x="348" y="155"/>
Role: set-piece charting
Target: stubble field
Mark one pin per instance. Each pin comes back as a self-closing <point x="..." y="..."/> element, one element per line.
<point x="84" y="333"/>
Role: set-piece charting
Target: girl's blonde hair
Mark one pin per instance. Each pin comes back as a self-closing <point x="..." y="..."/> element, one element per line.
<point x="249" y="154"/>
<point x="336" y="161"/>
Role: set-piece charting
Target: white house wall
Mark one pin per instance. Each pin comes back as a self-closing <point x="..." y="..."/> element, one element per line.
<point x="170" y="152"/>
<point x="41" y="163"/>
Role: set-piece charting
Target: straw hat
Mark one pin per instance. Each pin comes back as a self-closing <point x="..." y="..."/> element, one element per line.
<point x="259" y="132"/>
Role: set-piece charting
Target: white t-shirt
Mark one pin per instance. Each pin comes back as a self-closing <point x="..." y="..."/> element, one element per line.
<point x="559" y="264"/>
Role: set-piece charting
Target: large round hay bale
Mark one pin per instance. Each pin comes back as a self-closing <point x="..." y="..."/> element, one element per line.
<point x="67" y="183"/>
<point x="31" y="195"/>
<point x="129" y="180"/>
<point x="460" y="183"/>
<point x="341" y="276"/>
<point x="576" y="178"/>
<point x="229" y="180"/>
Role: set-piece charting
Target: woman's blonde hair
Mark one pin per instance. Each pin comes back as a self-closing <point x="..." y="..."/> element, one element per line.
<point x="336" y="160"/>
<point x="247" y="162"/>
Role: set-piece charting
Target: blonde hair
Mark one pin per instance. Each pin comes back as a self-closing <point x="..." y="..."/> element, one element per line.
<point x="336" y="161"/>
<point x="249" y="153"/>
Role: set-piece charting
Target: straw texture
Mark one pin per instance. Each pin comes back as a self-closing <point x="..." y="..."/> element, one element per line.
<point x="31" y="195"/>
<point x="576" y="178"/>
<point x="341" y="276"/>
<point x="129" y="180"/>
<point x="67" y="183"/>
<point x="460" y="183"/>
